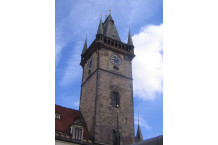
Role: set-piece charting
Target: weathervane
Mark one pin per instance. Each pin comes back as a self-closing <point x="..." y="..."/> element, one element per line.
<point x="138" y="119"/>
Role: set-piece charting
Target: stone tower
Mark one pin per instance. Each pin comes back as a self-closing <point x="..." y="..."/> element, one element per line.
<point x="106" y="100"/>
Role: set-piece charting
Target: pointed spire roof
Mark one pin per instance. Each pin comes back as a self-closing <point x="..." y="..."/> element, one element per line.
<point x="85" y="46"/>
<point x="139" y="133"/>
<point x="109" y="28"/>
<point x="129" y="38"/>
<point x="100" y="28"/>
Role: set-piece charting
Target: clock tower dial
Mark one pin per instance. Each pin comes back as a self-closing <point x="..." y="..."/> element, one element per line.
<point x="116" y="59"/>
<point x="90" y="64"/>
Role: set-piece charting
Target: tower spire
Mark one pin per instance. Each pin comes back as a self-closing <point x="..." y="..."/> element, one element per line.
<point x="110" y="28"/>
<point x="85" y="46"/>
<point x="100" y="28"/>
<point x="139" y="133"/>
<point x="129" y="38"/>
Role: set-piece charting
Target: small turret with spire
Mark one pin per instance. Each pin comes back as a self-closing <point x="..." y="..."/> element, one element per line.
<point x="138" y="137"/>
<point x="85" y="46"/>
<point x="129" y="38"/>
<point x="100" y="28"/>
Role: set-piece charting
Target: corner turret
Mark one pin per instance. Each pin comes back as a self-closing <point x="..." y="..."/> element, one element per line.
<point x="100" y="28"/>
<point x="138" y="137"/>
<point x="129" y="39"/>
<point x="85" y="46"/>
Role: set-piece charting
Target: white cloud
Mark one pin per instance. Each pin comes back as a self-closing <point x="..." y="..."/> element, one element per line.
<point x="142" y="122"/>
<point x="148" y="63"/>
<point x="76" y="22"/>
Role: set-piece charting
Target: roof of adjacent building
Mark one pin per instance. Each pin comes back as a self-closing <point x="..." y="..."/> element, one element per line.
<point x="152" y="141"/>
<point x="67" y="118"/>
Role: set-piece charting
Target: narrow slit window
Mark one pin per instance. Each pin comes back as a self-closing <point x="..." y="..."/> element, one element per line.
<point x="115" y="99"/>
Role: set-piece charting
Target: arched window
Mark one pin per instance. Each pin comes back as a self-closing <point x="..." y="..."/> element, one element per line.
<point x="115" y="98"/>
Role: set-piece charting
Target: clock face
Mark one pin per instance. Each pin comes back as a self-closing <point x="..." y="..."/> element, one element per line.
<point x="116" y="59"/>
<point x="90" y="64"/>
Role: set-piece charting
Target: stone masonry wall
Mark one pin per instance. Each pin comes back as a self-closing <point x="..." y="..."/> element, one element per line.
<point x="88" y="94"/>
<point x="86" y="73"/>
<point x="106" y="114"/>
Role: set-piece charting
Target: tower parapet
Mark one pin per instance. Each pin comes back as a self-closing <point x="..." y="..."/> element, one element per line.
<point x="108" y="37"/>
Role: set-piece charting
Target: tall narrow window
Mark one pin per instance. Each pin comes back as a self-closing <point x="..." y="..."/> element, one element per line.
<point x="77" y="133"/>
<point x="115" y="99"/>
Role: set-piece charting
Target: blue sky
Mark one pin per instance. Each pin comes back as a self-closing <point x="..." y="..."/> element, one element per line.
<point x="74" y="19"/>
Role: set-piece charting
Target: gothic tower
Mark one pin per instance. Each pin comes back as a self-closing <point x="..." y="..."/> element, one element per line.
<point x="106" y="100"/>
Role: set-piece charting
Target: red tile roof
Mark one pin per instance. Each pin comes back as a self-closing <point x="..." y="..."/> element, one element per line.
<point x="67" y="117"/>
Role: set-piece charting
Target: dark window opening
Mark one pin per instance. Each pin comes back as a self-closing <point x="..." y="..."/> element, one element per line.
<point x="108" y="41"/>
<point x="115" y="44"/>
<point x="119" y="46"/>
<point x="105" y="40"/>
<point x="112" y="22"/>
<point x="115" y="99"/>
<point x="112" y="43"/>
<point x="115" y="68"/>
<point x="69" y="130"/>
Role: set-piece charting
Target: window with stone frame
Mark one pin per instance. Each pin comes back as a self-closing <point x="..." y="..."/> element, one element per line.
<point x="77" y="129"/>
<point x="77" y="132"/>
<point x="115" y="98"/>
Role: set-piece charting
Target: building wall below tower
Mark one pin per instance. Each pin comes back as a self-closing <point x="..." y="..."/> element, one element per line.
<point x="106" y="114"/>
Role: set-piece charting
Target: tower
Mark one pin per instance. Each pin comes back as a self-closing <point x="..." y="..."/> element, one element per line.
<point x="106" y="100"/>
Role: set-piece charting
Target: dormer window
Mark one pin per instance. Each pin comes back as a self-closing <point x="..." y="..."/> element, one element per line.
<point x="57" y="116"/>
<point x="77" y="132"/>
<point x="112" y="22"/>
